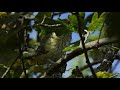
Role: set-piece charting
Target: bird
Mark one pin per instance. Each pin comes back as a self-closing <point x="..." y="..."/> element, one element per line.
<point x="85" y="35"/>
<point x="50" y="50"/>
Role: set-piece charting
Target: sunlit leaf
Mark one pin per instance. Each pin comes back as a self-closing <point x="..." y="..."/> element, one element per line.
<point x="97" y="24"/>
<point x="70" y="48"/>
<point x="95" y="17"/>
<point x="104" y="75"/>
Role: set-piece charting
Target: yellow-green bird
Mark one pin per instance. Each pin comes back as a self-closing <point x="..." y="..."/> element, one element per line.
<point x="51" y="49"/>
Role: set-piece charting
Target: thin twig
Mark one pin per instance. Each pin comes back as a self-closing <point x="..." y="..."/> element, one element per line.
<point x="48" y="25"/>
<point x="26" y="37"/>
<point x="21" y="50"/>
<point x="7" y="71"/>
<point x="80" y="29"/>
<point x="100" y="34"/>
<point x="24" y="69"/>
<point x="93" y="63"/>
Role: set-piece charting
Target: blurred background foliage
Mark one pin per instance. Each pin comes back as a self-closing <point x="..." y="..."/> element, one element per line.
<point x="53" y="40"/>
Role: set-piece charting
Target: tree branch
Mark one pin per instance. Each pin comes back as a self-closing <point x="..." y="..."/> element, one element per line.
<point x="93" y="63"/>
<point x="78" y="51"/>
<point x="80" y="29"/>
<point x="24" y="69"/>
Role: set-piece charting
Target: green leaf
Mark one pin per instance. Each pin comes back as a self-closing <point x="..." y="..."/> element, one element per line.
<point x="104" y="75"/>
<point x="103" y="15"/>
<point x="93" y="37"/>
<point x="82" y="14"/>
<point x="66" y="24"/>
<point x="95" y="17"/>
<point x="96" y="25"/>
<point x="70" y="48"/>
<point x="115" y="48"/>
<point x="73" y="21"/>
<point x="73" y="47"/>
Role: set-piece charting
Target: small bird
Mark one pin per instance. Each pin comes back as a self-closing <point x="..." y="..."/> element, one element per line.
<point x="85" y="35"/>
<point x="51" y="49"/>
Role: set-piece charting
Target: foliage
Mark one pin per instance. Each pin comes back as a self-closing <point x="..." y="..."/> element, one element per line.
<point x="103" y="75"/>
<point x="3" y="14"/>
<point x="96" y="22"/>
<point x="20" y="54"/>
